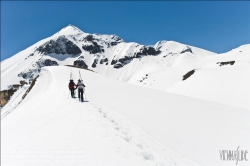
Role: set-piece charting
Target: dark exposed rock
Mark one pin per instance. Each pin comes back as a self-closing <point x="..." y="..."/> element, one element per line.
<point x="80" y="63"/>
<point x="187" y="49"/>
<point x="36" y="68"/>
<point x="226" y="63"/>
<point x="26" y="74"/>
<point x="49" y="62"/>
<point x="146" y="51"/>
<point x="188" y="74"/>
<point x="123" y="61"/>
<point x="45" y="62"/>
<point x="103" y="60"/>
<point x="32" y="54"/>
<point x="16" y="86"/>
<point x="95" y="63"/>
<point x="22" y="82"/>
<point x="61" y="46"/>
<point x="118" y="65"/>
<point x="31" y="86"/>
<point x="88" y="38"/>
<point x="143" y="78"/>
<point x="151" y="51"/>
<point x="5" y="96"/>
<point x="113" y="62"/>
<point x="93" y="48"/>
<point x="114" y="43"/>
<point x="116" y="38"/>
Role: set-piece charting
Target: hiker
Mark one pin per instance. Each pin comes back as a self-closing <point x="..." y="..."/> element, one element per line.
<point x="80" y="87"/>
<point x="72" y="87"/>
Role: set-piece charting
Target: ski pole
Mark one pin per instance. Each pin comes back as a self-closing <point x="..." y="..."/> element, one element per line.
<point x="85" y="94"/>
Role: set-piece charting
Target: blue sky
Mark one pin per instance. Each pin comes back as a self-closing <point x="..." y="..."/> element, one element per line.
<point x="214" y="26"/>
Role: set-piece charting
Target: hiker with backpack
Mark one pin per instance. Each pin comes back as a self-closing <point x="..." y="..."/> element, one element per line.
<point x="80" y="87"/>
<point x="72" y="88"/>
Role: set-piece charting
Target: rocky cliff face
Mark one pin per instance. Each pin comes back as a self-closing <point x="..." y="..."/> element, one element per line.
<point x="143" y="51"/>
<point x="5" y="96"/>
<point x="60" y="46"/>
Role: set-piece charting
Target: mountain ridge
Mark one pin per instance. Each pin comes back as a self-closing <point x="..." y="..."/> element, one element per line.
<point x="84" y="43"/>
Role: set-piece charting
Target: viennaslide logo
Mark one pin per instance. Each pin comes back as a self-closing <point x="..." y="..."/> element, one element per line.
<point x="234" y="155"/>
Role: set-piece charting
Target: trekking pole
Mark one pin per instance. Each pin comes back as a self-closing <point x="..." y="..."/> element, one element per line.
<point x="85" y="96"/>
<point x="71" y="75"/>
<point x="69" y="94"/>
<point x="80" y="77"/>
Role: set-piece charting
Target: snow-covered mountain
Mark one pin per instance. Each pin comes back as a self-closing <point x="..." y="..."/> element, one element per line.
<point x="161" y="66"/>
<point x="120" y="125"/>
<point x="105" y="54"/>
<point x="166" y="120"/>
<point x="218" y="77"/>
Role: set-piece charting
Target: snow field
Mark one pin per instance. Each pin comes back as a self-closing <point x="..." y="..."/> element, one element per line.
<point x="49" y="128"/>
<point x="121" y="124"/>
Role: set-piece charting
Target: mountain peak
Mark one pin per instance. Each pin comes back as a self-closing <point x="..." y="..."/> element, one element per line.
<point x="72" y="26"/>
<point x="70" y="29"/>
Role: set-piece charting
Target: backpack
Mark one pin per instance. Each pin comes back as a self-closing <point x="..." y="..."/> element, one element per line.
<point x="80" y="85"/>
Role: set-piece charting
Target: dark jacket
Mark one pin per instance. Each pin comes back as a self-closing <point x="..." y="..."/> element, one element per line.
<point x="72" y="84"/>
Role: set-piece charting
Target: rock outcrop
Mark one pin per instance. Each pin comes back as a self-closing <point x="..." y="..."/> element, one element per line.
<point x="5" y="96"/>
<point x="186" y="49"/>
<point x="226" y="63"/>
<point x="94" y="63"/>
<point x="61" y="46"/>
<point x="93" y="48"/>
<point x="32" y="71"/>
<point x="104" y="60"/>
<point x="186" y="76"/>
<point x="143" y="51"/>
<point x="80" y="63"/>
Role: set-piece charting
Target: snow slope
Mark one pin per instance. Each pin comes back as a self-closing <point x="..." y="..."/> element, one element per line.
<point x="121" y="124"/>
<point x="228" y="84"/>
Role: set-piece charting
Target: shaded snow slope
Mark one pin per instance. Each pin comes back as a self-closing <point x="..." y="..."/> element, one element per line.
<point x="121" y="124"/>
